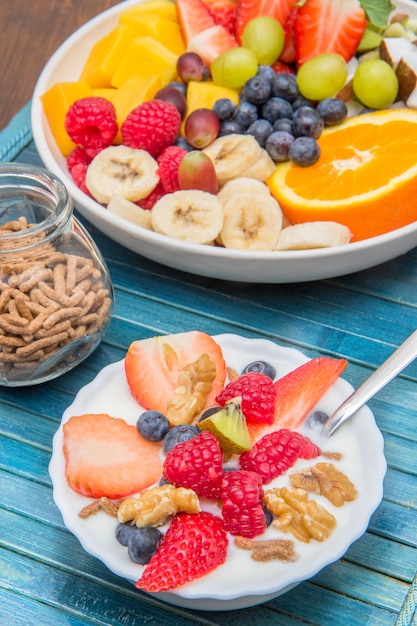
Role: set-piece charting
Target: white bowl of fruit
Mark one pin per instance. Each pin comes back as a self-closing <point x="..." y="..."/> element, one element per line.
<point x="240" y="149"/>
<point x="202" y="476"/>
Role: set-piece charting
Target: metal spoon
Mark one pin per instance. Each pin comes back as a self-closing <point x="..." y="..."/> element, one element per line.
<point x="403" y="356"/>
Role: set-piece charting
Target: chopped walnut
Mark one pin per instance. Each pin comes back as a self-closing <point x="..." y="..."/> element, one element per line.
<point x="154" y="506"/>
<point x="325" y="480"/>
<point x="195" y="382"/>
<point x="269" y="549"/>
<point x="298" y="515"/>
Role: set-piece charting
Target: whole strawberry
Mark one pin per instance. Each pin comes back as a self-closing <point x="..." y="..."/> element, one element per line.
<point x="196" y="464"/>
<point x="194" y="545"/>
<point x="152" y="126"/>
<point x="241" y="495"/>
<point x="258" y="396"/>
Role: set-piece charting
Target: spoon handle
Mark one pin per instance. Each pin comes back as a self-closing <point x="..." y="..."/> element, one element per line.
<point x="403" y="356"/>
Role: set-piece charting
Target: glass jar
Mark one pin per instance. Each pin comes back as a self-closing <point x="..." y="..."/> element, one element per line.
<point x="56" y="294"/>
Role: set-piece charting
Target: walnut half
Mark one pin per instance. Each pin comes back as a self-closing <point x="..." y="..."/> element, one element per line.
<point x="154" y="506"/>
<point x="325" y="480"/>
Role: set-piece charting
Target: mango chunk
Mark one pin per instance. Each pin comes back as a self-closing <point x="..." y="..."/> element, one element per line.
<point x="156" y="8"/>
<point x="146" y="57"/>
<point x="56" y="102"/>
<point x="105" y="56"/>
<point x="131" y="94"/>
<point x="204" y="94"/>
<point x="167" y="32"/>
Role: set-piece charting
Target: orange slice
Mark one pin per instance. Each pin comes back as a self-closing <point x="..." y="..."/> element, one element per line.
<point x="365" y="178"/>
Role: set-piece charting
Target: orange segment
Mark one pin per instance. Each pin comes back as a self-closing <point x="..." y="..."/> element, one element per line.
<point x="365" y="178"/>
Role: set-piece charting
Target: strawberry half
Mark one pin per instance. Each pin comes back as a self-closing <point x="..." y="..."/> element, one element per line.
<point x="298" y="392"/>
<point x="104" y="456"/>
<point x="193" y="17"/>
<point x="194" y="545"/>
<point x="223" y="12"/>
<point x="328" y="26"/>
<point x="152" y="366"/>
<point x="211" y="42"/>
<point x="246" y="10"/>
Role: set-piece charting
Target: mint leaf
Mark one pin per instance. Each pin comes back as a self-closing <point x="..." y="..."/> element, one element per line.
<point x="377" y="11"/>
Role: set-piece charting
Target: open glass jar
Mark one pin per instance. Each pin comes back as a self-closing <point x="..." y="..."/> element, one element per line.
<point x="56" y="294"/>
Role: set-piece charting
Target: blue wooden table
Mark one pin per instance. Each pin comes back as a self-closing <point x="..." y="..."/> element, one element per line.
<point x="46" y="578"/>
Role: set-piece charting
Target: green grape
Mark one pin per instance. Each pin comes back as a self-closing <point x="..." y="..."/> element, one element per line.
<point x="265" y="36"/>
<point x="323" y="76"/>
<point x="375" y="84"/>
<point x="234" y="67"/>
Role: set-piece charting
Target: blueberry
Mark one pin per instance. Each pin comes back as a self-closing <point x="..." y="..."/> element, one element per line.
<point x="307" y="123"/>
<point x="285" y="86"/>
<point x="300" y="101"/>
<point x="262" y="367"/>
<point x="317" y="418"/>
<point x="304" y="151"/>
<point x="278" y="145"/>
<point x="268" y="516"/>
<point x="143" y="543"/>
<point x="224" y="108"/>
<point x="152" y="425"/>
<point x="123" y="532"/>
<point x="182" y="87"/>
<point x="245" y="114"/>
<point x="178" y="434"/>
<point x="230" y="127"/>
<point x="276" y="108"/>
<point x="332" y="111"/>
<point x="257" y="89"/>
<point x="181" y="142"/>
<point x="210" y="411"/>
<point x="266" y="71"/>
<point x="260" y="129"/>
<point x="283" y="124"/>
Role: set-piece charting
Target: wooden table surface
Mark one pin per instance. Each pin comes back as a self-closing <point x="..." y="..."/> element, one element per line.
<point x="30" y="34"/>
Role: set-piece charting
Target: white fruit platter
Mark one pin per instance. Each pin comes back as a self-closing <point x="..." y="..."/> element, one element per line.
<point x="205" y="260"/>
<point x="241" y="581"/>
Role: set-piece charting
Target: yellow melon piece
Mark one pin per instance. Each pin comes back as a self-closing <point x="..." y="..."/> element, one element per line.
<point x="146" y="57"/>
<point x="204" y="94"/>
<point x="157" y="8"/>
<point x="106" y="54"/>
<point x="56" y="102"/>
<point x="131" y="94"/>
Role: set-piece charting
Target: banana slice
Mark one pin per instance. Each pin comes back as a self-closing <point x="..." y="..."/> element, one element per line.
<point x="190" y="215"/>
<point x="242" y="185"/>
<point x="313" y="235"/>
<point x="262" y="168"/>
<point x="130" y="173"/>
<point x="130" y="211"/>
<point x="252" y="221"/>
<point x="232" y="155"/>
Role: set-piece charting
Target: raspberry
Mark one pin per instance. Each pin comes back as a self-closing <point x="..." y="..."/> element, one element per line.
<point x="258" y="396"/>
<point x="168" y="162"/>
<point x="91" y="122"/>
<point x="194" y="544"/>
<point x="241" y="494"/>
<point x="276" y="452"/>
<point x="152" y="126"/>
<point x="77" y="156"/>
<point x="155" y="195"/>
<point x="196" y="464"/>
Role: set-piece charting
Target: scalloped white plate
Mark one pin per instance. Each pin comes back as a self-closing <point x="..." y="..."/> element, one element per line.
<point x="240" y="582"/>
<point x="215" y="262"/>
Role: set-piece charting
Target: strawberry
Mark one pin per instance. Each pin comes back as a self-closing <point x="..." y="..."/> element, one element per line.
<point x="223" y="12"/>
<point x="288" y="54"/>
<point x="152" y="366"/>
<point x="212" y="42"/>
<point x="104" y="456"/>
<point x="194" y="545"/>
<point x="194" y="17"/>
<point x="328" y="26"/>
<point x="297" y="393"/>
<point x="246" y="10"/>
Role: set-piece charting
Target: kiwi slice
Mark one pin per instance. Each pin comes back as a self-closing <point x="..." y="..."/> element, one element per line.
<point x="229" y="427"/>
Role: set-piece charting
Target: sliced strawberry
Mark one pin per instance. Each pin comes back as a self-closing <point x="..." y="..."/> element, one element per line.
<point x="212" y="42"/>
<point x="288" y="55"/>
<point x="298" y="392"/>
<point x="194" y="545"/>
<point x="246" y="10"/>
<point x="152" y="366"/>
<point x="328" y="26"/>
<point x="104" y="456"/>
<point x="282" y="68"/>
<point x="194" y="17"/>
<point x="223" y="12"/>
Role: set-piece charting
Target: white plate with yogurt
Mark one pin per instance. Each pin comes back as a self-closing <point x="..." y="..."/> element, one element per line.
<point x="241" y="581"/>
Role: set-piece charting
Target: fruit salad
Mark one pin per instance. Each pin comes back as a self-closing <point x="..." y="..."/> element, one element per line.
<point x="225" y="457"/>
<point x="183" y="101"/>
